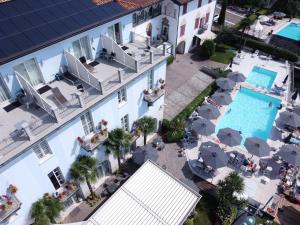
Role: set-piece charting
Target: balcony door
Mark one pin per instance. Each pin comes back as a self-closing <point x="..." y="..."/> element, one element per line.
<point x="3" y="93"/>
<point x="30" y="71"/>
<point x="82" y="47"/>
<point x="114" y="32"/>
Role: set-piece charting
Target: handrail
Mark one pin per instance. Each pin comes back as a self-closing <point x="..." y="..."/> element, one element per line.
<point x="76" y="68"/>
<point x="121" y="56"/>
<point x="31" y="91"/>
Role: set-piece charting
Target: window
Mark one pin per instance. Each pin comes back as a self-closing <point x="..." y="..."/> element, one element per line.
<point x="42" y="149"/>
<point x="207" y="18"/>
<point x="87" y="123"/>
<point x="202" y="22"/>
<point x="30" y="71"/>
<point x="184" y="10"/>
<point x="197" y="23"/>
<point x="182" y="30"/>
<point x="57" y="178"/>
<point x="151" y="80"/>
<point x="122" y="95"/>
<point x="209" y="1"/>
<point x="146" y="14"/>
<point x="3" y="91"/>
<point x="82" y="48"/>
<point x="125" y="123"/>
<point x="199" y="3"/>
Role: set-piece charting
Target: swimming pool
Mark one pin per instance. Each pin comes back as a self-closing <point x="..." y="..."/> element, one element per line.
<point x="291" y="31"/>
<point x="261" y="77"/>
<point x="251" y="114"/>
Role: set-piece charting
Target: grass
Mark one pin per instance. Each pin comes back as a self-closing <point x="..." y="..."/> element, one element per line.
<point x="224" y="54"/>
<point x="263" y="220"/>
<point x="205" y="210"/>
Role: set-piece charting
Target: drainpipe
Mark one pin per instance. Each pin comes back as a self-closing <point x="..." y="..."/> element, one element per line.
<point x="177" y="32"/>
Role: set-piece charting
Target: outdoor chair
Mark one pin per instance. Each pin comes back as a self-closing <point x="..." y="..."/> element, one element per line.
<point x="112" y="56"/>
<point x="59" y="96"/>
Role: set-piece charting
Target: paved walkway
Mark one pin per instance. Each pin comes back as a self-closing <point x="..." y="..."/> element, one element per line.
<point x="184" y="82"/>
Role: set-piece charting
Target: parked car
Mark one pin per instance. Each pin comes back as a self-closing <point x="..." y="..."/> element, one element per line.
<point x="158" y="143"/>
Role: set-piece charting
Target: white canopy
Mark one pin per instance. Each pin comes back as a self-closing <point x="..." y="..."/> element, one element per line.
<point x="150" y="196"/>
<point x="263" y="18"/>
<point x="206" y="35"/>
<point x="257" y="27"/>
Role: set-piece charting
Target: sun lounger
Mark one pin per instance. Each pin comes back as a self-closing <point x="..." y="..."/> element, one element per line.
<point x="295" y="141"/>
<point x="279" y="88"/>
<point x="59" y="96"/>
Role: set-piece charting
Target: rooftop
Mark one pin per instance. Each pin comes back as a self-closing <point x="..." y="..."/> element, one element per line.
<point x="150" y="196"/>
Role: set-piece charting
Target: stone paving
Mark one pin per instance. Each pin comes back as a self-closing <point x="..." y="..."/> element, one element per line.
<point x="184" y="82"/>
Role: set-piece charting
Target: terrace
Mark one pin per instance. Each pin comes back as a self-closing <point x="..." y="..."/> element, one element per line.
<point x="9" y="204"/>
<point x="80" y="86"/>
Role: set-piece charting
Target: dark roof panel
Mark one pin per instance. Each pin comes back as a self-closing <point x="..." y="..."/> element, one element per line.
<point x="26" y="26"/>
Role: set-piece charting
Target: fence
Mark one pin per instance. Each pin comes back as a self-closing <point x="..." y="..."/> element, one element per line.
<point x="121" y="56"/>
<point x="76" y="68"/>
<point x="31" y="91"/>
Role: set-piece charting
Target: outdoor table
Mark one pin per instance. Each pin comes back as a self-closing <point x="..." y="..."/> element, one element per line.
<point x="269" y="168"/>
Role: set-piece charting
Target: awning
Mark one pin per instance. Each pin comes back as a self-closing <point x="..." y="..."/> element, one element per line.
<point x="206" y="35"/>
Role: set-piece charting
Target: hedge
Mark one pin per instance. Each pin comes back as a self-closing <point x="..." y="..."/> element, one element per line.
<point x="252" y="17"/>
<point x="170" y="60"/>
<point x="232" y="39"/>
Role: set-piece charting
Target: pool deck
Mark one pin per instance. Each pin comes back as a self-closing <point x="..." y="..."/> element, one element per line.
<point x="254" y="188"/>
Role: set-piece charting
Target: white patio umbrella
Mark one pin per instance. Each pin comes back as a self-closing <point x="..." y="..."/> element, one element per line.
<point x="263" y="18"/>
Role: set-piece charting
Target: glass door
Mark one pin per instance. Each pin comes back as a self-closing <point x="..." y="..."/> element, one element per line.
<point x="3" y="93"/>
<point x="82" y="48"/>
<point x="30" y="71"/>
<point x="114" y="33"/>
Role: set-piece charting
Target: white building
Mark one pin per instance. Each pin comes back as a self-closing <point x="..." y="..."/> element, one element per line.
<point x="70" y="71"/>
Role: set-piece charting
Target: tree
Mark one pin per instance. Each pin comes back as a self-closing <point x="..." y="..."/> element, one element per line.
<point x="291" y="8"/>
<point x="233" y="183"/>
<point x="244" y="25"/>
<point x="84" y="169"/>
<point x="208" y="48"/>
<point x="147" y="125"/>
<point x="46" y="210"/>
<point x="118" y="140"/>
<point x="222" y="14"/>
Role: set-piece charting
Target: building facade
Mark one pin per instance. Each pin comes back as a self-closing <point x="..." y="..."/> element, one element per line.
<point x="66" y="80"/>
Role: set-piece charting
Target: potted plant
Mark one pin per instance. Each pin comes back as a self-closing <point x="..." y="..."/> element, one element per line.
<point x="80" y="140"/>
<point x="12" y="189"/>
<point x="4" y="207"/>
<point x="161" y="81"/>
<point x="47" y="196"/>
<point x="146" y="92"/>
<point x="104" y="122"/>
<point x="162" y="86"/>
<point x="156" y="90"/>
<point x="94" y="139"/>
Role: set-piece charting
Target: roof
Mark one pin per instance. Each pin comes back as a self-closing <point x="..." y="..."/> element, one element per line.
<point x="181" y="2"/>
<point x="27" y="26"/>
<point x="151" y="196"/>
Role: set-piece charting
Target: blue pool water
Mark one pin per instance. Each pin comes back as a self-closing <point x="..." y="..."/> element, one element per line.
<point x="291" y="31"/>
<point x="261" y="77"/>
<point x="251" y="114"/>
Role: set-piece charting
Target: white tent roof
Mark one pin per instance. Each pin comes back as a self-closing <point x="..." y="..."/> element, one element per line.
<point x="206" y="35"/>
<point x="257" y="26"/>
<point x="151" y="196"/>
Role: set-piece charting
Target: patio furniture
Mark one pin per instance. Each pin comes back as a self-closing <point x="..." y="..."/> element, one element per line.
<point x="203" y="127"/>
<point x="290" y="119"/>
<point x="112" y="187"/>
<point x="104" y="53"/>
<point x="225" y="83"/>
<point x="236" y="76"/>
<point x="208" y="111"/>
<point x="221" y="98"/>
<point x="290" y="153"/>
<point x="112" y="56"/>
<point x="59" y="96"/>
<point x="265" y="180"/>
<point x="257" y="146"/>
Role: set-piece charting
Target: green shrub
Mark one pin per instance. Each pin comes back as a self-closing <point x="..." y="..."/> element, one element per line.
<point x="170" y="60"/>
<point x="208" y="48"/>
<point x="175" y="136"/>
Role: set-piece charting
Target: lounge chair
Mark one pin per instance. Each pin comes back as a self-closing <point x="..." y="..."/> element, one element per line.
<point x="294" y="141"/>
<point x="59" y="96"/>
<point x="83" y="61"/>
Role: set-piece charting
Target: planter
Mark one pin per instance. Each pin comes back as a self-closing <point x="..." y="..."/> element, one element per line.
<point x="146" y="92"/>
<point x="12" y="189"/>
<point x="104" y="122"/>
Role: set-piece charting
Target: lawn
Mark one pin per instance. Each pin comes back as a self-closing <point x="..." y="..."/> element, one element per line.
<point x="205" y="210"/>
<point x="223" y="54"/>
<point x="263" y="220"/>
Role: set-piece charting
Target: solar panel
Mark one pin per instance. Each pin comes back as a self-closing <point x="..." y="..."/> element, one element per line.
<point x="26" y="25"/>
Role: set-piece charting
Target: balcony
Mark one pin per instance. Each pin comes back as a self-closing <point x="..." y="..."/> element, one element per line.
<point x="153" y="95"/>
<point x="9" y="204"/>
<point x="91" y="141"/>
<point x="67" y="191"/>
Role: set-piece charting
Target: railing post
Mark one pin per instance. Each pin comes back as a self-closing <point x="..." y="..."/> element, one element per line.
<point x="137" y="66"/>
<point x="121" y="75"/>
<point x="25" y="127"/>
<point x="55" y="112"/>
<point x="80" y="99"/>
<point x="164" y="49"/>
<point x="151" y="57"/>
<point x="101" y="88"/>
<point x="148" y="43"/>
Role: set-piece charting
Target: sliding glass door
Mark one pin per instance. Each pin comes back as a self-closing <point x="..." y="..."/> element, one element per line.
<point x="115" y="33"/>
<point x="30" y="71"/>
<point x="3" y="93"/>
<point x="82" y="48"/>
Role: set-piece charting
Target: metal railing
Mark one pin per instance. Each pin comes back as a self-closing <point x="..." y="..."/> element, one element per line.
<point x="121" y="56"/>
<point x="35" y="95"/>
<point x="76" y="68"/>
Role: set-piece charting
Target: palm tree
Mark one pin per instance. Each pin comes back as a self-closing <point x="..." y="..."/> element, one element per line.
<point x="244" y="25"/>
<point x="118" y="140"/>
<point x="222" y="15"/>
<point x="84" y="169"/>
<point x="46" y="210"/>
<point x="147" y="125"/>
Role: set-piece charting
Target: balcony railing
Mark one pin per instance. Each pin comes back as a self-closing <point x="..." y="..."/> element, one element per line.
<point x="93" y="140"/>
<point x="153" y="95"/>
<point x="67" y="191"/>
